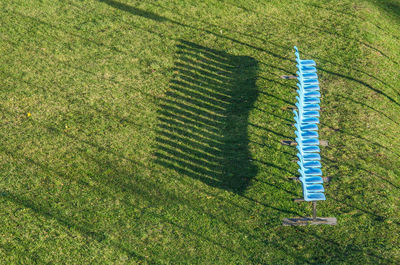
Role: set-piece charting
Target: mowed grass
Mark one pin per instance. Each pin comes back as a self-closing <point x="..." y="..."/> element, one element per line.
<point x="149" y="131"/>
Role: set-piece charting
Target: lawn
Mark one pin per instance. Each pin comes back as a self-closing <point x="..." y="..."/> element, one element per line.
<point x="148" y="132"/>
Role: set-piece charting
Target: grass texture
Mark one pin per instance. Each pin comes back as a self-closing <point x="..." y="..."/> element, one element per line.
<point x="148" y="132"/>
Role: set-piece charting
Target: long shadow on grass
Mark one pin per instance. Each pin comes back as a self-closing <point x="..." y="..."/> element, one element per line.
<point x="391" y="7"/>
<point x="150" y="15"/>
<point x="135" y="11"/>
<point x="202" y="130"/>
<point x="158" y="18"/>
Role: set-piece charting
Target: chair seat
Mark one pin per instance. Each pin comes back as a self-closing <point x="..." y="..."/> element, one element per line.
<point x="308" y="142"/>
<point x="304" y="69"/>
<point x="310" y="179"/>
<point x="313" y="164"/>
<point x="309" y="82"/>
<point x="314" y="102"/>
<point x="305" y="128"/>
<point x="308" y="94"/>
<point x="303" y="119"/>
<point x="314" y="197"/>
<point x="313" y="113"/>
<point x="311" y="87"/>
<point x="308" y="127"/>
<point x="307" y="134"/>
<point x="308" y="149"/>
<point x="308" y="107"/>
<point x="308" y="87"/>
<point x="313" y="188"/>
<point x="309" y="164"/>
<point x="307" y="120"/>
<point x="304" y="62"/>
<point x="312" y="94"/>
<point x="311" y="157"/>
<point x="308" y="62"/>
<point x="308" y="76"/>
<point x="311" y="100"/>
<point x="313" y="171"/>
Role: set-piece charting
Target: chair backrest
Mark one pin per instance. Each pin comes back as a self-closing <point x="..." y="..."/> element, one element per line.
<point x="297" y="53"/>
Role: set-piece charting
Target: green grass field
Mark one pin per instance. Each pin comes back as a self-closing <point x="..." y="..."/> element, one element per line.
<point x="148" y="132"/>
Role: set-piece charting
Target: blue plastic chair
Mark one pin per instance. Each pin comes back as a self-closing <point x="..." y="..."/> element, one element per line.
<point x="301" y="120"/>
<point x="306" y="134"/>
<point x="307" y="118"/>
<point x="308" y="149"/>
<point x="308" y="94"/>
<point x="307" y="127"/>
<point x="309" y="157"/>
<point x="302" y="62"/>
<point x="308" y="76"/>
<point x="308" y="107"/>
<point x="310" y="179"/>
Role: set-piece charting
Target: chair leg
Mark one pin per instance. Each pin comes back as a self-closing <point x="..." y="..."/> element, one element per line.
<point x="314" y="216"/>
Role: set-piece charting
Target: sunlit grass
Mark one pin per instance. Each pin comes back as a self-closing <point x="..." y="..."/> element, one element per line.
<point x="149" y="132"/>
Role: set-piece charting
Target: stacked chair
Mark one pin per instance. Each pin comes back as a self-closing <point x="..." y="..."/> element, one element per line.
<point x="307" y="120"/>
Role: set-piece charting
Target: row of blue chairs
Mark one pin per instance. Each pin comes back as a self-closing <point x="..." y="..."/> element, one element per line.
<point x="307" y="120"/>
